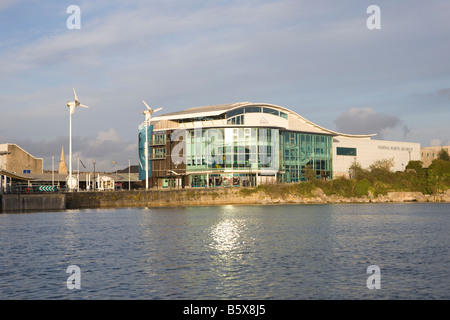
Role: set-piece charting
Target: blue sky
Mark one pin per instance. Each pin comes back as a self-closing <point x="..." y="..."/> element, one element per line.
<point x="317" y="58"/>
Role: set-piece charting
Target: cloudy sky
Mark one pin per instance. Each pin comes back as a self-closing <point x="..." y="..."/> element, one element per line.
<point x="315" y="57"/>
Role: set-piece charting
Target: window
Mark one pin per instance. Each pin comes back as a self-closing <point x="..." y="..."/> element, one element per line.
<point x="255" y="109"/>
<point x="236" y="120"/>
<point x="341" y="151"/>
<point x="271" y="111"/>
<point x="158" y="139"/>
<point x="235" y="112"/>
<point x="252" y="109"/>
<point x="158" y="153"/>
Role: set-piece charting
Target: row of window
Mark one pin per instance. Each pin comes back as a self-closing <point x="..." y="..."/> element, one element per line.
<point x="256" y="109"/>
<point x="158" y="153"/>
<point x="236" y="120"/>
<point x="158" y="139"/>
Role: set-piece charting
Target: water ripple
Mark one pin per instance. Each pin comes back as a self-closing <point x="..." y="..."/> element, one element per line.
<point x="229" y="252"/>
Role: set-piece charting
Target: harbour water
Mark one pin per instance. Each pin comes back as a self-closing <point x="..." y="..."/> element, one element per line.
<point x="282" y="252"/>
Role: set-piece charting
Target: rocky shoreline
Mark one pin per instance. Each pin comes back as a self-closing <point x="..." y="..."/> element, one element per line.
<point x="319" y="197"/>
<point x="231" y="196"/>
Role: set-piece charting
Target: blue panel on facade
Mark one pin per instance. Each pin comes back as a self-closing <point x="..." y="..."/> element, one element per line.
<point x="142" y="142"/>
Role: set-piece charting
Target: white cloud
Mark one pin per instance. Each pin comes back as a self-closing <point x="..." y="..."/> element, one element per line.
<point x="438" y="143"/>
<point x="110" y="135"/>
<point x="366" y="121"/>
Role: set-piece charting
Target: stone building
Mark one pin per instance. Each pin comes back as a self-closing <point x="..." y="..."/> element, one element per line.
<point x="14" y="159"/>
<point x="428" y="154"/>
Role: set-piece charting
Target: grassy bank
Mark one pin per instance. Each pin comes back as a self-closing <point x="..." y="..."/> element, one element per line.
<point x="374" y="181"/>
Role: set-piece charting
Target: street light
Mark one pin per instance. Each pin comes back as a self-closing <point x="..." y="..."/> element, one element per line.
<point x="94" y="162"/>
<point x="114" y="163"/>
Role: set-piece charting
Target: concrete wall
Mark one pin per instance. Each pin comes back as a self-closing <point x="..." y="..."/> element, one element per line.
<point x="32" y="202"/>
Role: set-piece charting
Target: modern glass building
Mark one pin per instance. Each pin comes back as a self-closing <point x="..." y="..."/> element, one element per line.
<point x="239" y="144"/>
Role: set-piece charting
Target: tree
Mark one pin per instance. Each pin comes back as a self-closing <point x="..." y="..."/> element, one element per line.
<point x="356" y="171"/>
<point x="310" y="173"/>
<point x="443" y="155"/>
<point x="382" y="165"/>
<point x="439" y="168"/>
<point x="415" y="165"/>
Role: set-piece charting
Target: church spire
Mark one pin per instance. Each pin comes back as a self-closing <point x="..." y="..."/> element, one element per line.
<point x="62" y="163"/>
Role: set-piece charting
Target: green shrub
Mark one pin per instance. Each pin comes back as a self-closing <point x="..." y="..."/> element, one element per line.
<point x="362" y="188"/>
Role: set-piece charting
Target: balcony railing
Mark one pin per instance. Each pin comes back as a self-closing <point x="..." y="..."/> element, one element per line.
<point x="157" y="142"/>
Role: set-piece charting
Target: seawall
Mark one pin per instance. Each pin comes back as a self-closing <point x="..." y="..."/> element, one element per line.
<point x="229" y="196"/>
<point x="193" y="197"/>
<point x="31" y="202"/>
<point x="151" y="198"/>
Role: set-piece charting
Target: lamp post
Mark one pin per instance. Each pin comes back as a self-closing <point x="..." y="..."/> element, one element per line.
<point x="93" y="162"/>
<point x="115" y="166"/>
<point x="146" y="152"/>
<point x="53" y="170"/>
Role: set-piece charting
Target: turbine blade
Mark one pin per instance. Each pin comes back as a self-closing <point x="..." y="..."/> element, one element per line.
<point x="157" y="109"/>
<point x="146" y="105"/>
<point x="82" y="105"/>
<point x="75" y="94"/>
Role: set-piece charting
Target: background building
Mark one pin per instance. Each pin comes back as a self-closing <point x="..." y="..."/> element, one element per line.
<point x="366" y="151"/>
<point x="428" y="154"/>
<point x="245" y="144"/>
<point x="16" y="160"/>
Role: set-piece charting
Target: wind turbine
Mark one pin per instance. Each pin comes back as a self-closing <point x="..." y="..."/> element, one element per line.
<point x="72" y="105"/>
<point x="148" y="115"/>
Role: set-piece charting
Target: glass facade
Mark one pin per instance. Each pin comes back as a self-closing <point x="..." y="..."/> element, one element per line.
<point x="254" y="109"/>
<point x="233" y="153"/>
<point x="232" y="149"/>
<point x="229" y="156"/>
<point x="301" y="152"/>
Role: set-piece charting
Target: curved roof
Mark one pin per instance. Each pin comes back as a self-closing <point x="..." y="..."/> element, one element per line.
<point x="216" y="110"/>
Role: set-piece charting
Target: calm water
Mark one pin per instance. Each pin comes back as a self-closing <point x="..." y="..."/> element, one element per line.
<point x="229" y="252"/>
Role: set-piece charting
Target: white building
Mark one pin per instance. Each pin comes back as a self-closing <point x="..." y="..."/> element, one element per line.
<point x="365" y="151"/>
